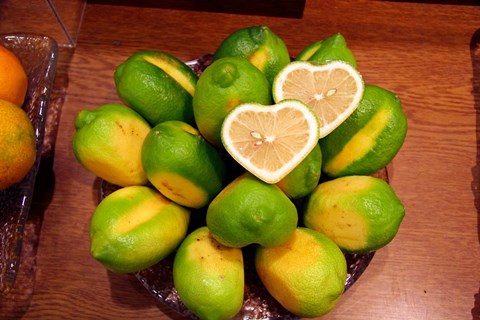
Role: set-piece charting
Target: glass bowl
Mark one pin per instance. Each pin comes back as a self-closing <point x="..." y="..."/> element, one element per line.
<point x="258" y="303"/>
<point x="38" y="55"/>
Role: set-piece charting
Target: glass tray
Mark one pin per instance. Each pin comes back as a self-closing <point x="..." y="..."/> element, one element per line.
<point x="258" y="303"/>
<point x="38" y="55"/>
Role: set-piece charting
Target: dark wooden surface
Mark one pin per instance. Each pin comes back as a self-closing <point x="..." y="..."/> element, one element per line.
<point x="426" y="53"/>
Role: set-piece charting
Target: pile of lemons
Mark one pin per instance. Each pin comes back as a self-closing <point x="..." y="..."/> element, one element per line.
<point x="17" y="136"/>
<point x="271" y="153"/>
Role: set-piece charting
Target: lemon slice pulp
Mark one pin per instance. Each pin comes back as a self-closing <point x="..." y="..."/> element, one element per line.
<point x="270" y="141"/>
<point x="333" y="90"/>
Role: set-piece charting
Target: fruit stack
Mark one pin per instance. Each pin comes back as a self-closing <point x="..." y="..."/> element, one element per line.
<point x="241" y="146"/>
<point x="17" y="136"/>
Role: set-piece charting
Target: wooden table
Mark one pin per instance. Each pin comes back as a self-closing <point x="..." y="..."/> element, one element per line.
<point x="422" y="52"/>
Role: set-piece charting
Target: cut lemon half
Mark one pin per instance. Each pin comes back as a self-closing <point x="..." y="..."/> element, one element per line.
<point x="270" y="141"/>
<point x="333" y="90"/>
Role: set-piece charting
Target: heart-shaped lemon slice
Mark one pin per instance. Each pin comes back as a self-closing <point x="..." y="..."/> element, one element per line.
<point x="270" y="141"/>
<point x="332" y="90"/>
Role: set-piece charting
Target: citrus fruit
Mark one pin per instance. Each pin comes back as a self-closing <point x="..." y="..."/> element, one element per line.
<point x="270" y="141"/>
<point x="135" y="227"/>
<point x="182" y="165"/>
<point x="302" y="180"/>
<point x="263" y="48"/>
<point x="333" y="90"/>
<point x="208" y="276"/>
<point x="359" y="213"/>
<point x="108" y="142"/>
<point x="248" y="211"/>
<point x="157" y="85"/>
<point x="306" y="274"/>
<point x="369" y="139"/>
<point x="223" y="85"/>
<point x="17" y="144"/>
<point x="13" y="79"/>
<point x="331" y="49"/>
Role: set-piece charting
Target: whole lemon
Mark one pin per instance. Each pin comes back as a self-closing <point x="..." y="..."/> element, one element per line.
<point x="17" y="144"/>
<point x="369" y="138"/>
<point x="306" y="274"/>
<point x="182" y="165"/>
<point x="208" y="276"/>
<point x="359" y="213"/>
<point x="135" y="227"/>
<point x="249" y="211"/>
<point x="259" y="45"/>
<point x="108" y="142"/>
<point x="225" y="84"/>
<point x="157" y="85"/>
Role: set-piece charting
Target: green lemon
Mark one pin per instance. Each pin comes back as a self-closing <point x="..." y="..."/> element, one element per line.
<point x="249" y="211"/>
<point x="330" y="49"/>
<point x="135" y="227"/>
<point x="108" y="142"/>
<point x="302" y="180"/>
<point x="369" y="139"/>
<point x="157" y="85"/>
<point x="263" y="48"/>
<point x="359" y="213"/>
<point x="225" y="84"/>
<point x="182" y="165"/>
<point x="306" y="274"/>
<point x="208" y="276"/>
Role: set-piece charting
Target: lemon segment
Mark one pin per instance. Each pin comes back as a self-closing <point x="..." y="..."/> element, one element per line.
<point x="270" y="141"/>
<point x="333" y="90"/>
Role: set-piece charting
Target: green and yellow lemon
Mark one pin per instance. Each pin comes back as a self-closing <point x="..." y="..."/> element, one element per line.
<point x="136" y="227"/>
<point x="306" y="274"/>
<point x="108" y="142"/>
<point x="182" y="165"/>
<point x="249" y="211"/>
<point x="209" y="276"/>
<point x="259" y="45"/>
<point x="369" y="139"/>
<point x="359" y="213"/>
<point x="157" y="85"/>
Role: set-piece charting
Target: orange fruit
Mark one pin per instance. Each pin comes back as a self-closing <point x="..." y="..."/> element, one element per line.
<point x="17" y="144"/>
<point x="13" y="79"/>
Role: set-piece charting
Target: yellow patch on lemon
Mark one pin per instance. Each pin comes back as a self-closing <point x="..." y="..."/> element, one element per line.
<point x="306" y="274"/>
<point x="179" y="189"/>
<point x="165" y="63"/>
<point x="270" y="141"/>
